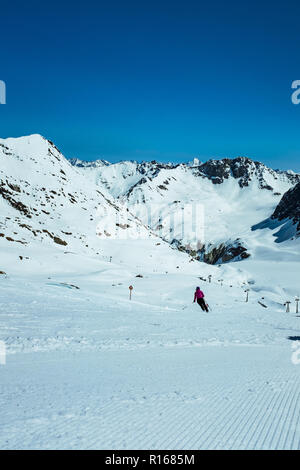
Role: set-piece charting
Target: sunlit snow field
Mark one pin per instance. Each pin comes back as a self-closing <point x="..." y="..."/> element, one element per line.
<point x="88" y="368"/>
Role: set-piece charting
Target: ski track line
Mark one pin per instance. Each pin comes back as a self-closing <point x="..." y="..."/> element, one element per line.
<point x="136" y="416"/>
<point x="287" y="412"/>
<point x="103" y="420"/>
<point x="212" y="410"/>
<point x="159" y="424"/>
<point x="106" y="420"/>
<point x="228" y="424"/>
<point x="49" y="420"/>
<point x="293" y="419"/>
<point x="221" y="417"/>
<point x="283" y="400"/>
<point x="244" y="418"/>
<point x="291" y="431"/>
<point x="270" y="416"/>
<point x="213" y="435"/>
<point x="49" y="427"/>
<point x="297" y="429"/>
<point x="275" y="423"/>
<point x="266" y="410"/>
<point x="294" y="401"/>
<point x="217" y="400"/>
<point x="255" y="416"/>
<point x="186" y="415"/>
<point x="179" y="443"/>
<point x="164" y="413"/>
<point x="244" y="407"/>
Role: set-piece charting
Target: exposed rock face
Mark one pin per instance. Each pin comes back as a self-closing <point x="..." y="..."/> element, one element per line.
<point x="159" y="197"/>
<point x="232" y="192"/>
<point x="8" y="195"/>
<point x="243" y="169"/>
<point x="87" y="164"/>
<point x="289" y="207"/>
<point x="225" y="253"/>
<point x="56" y="203"/>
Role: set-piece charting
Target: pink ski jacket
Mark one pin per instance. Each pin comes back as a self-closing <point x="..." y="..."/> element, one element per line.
<point x="198" y="295"/>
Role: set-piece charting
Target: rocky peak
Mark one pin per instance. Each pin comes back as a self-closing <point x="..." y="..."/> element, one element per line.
<point x="244" y="170"/>
<point x="88" y="164"/>
<point x="289" y="206"/>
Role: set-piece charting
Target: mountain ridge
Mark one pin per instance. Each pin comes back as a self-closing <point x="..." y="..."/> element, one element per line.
<point x="233" y="196"/>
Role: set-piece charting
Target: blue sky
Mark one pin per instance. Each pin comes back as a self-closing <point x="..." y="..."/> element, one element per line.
<point x="154" y="80"/>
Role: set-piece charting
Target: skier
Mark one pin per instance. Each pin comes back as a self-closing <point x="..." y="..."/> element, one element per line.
<point x="199" y="296"/>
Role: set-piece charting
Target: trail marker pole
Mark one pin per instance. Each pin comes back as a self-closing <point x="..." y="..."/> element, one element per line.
<point x="247" y="294"/>
<point x="130" y="291"/>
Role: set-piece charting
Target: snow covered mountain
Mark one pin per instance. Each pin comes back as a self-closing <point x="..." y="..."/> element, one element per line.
<point x="80" y="360"/>
<point x="289" y="207"/>
<point x="210" y="210"/>
<point x="286" y="216"/>
<point x="234" y="194"/>
<point x="44" y="198"/>
<point x="88" y="164"/>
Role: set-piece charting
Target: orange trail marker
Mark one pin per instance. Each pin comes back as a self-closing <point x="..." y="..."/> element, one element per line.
<point x="130" y="291"/>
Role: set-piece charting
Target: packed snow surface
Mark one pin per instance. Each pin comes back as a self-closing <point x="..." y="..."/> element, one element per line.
<point x="84" y="367"/>
<point x="88" y="368"/>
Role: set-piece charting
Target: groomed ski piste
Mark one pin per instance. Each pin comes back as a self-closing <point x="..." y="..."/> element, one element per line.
<point x="87" y="368"/>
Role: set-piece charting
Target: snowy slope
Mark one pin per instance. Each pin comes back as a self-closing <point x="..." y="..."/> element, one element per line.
<point x="87" y="368"/>
<point x="231" y="195"/>
<point x="289" y="207"/>
<point x="44" y="197"/>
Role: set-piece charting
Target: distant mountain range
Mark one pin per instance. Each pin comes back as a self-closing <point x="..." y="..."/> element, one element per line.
<point x="242" y="204"/>
<point x="236" y="196"/>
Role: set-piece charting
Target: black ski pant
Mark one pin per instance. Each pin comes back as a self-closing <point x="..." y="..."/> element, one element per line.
<point x="202" y="304"/>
